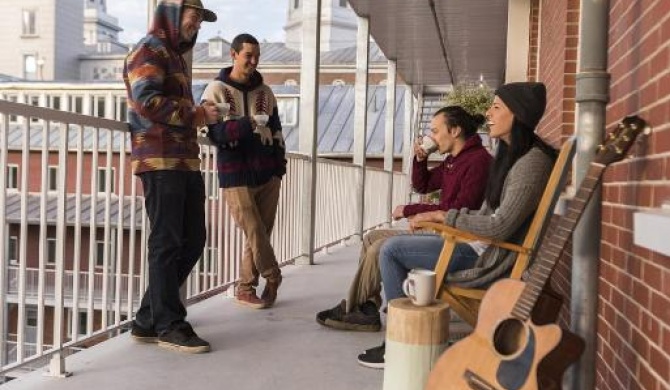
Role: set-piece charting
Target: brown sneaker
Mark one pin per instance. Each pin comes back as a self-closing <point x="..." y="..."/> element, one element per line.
<point x="249" y="299"/>
<point x="269" y="294"/>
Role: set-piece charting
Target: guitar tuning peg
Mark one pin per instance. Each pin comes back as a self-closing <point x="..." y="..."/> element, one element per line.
<point x="618" y="150"/>
<point x="647" y="130"/>
<point x="601" y="148"/>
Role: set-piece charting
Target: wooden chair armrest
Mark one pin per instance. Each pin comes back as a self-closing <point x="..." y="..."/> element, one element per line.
<point x="453" y="234"/>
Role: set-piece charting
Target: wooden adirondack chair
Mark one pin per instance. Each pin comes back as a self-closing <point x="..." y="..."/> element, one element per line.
<point x="465" y="301"/>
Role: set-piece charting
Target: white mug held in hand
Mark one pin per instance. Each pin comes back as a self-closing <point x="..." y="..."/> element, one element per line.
<point x="223" y="108"/>
<point x="428" y="144"/>
<point x="261" y="128"/>
<point x="420" y="287"/>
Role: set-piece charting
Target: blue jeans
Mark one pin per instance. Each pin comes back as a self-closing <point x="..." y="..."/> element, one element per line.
<point x="400" y="254"/>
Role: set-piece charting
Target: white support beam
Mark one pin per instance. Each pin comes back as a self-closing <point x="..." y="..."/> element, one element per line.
<point x="407" y="131"/>
<point x="309" y="106"/>
<point x="518" y="40"/>
<point x="361" y="114"/>
<point x="389" y="134"/>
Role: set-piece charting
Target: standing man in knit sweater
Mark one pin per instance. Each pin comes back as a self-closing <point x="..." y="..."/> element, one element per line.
<point x="251" y="163"/>
<point x="461" y="179"/>
<point x="165" y="155"/>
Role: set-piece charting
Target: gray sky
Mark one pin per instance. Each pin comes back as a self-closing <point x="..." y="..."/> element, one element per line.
<point x="264" y="19"/>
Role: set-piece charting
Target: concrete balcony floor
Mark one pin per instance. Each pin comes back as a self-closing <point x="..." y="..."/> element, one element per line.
<point x="279" y="348"/>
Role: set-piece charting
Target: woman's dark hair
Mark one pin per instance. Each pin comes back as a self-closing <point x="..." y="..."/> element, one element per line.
<point x="523" y="139"/>
<point x="457" y="116"/>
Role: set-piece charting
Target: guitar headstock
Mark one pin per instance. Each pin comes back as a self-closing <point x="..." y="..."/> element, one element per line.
<point x="617" y="143"/>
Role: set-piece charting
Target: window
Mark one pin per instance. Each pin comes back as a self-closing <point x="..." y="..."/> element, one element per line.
<point x="33" y="101"/>
<point x="12" y="177"/>
<point x="83" y="320"/>
<point x="51" y="251"/>
<point x="30" y="67"/>
<point x="99" y="106"/>
<point x="54" y="102"/>
<point x="31" y="317"/>
<point x="28" y="22"/>
<point x="296" y="4"/>
<point x="122" y="109"/>
<point x="13" y="250"/>
<point x="102" y="180"/>
<point x="100" y="253"/>
<point x="14" y="99"/>
<point x="288" y="111"/>
<point x="77" y="104"/>
<point x="52" y="178"/>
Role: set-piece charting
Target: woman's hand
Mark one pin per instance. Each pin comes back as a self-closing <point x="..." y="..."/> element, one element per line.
<point x="436" y="216"/>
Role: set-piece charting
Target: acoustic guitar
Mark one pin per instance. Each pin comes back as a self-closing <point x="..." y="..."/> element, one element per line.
<point x="507" y="350"/>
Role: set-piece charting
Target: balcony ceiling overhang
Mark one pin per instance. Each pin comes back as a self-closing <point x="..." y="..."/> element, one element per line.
<point x="437" y="43"/>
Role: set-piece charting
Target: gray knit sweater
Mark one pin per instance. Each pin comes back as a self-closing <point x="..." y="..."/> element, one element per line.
<point x="520" y="197"/>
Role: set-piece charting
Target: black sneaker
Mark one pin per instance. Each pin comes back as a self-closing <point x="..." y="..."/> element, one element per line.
<point x="373" y="357"/>
<point x="143" y="335"/>
<point x="335" y="313"/>
<point x="182" y="338"/>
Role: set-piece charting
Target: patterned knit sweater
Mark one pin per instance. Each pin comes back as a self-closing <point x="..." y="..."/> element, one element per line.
<point x="244" y="159"/>
<point x="161" y="112"/>
<point x="520" y="197"/>
<point x="461" y="179"/>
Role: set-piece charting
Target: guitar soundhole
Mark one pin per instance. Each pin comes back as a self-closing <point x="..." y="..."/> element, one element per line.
<point x="510" y="337"/>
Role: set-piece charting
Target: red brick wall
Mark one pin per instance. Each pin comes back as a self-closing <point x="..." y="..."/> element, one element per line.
<point x="534" y="46"/>
<point x="633" y="350"/>
<point x="557" y="67"/>
<point x="634" y="312"/>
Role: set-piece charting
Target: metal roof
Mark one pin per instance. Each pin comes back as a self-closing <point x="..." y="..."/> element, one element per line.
<point x="276" y="53"/>
<point x="13" y="209"/>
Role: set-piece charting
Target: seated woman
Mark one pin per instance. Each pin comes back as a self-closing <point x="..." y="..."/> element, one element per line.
<point x="520" y="171"/>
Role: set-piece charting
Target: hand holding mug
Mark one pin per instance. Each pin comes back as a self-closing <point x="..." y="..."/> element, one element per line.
<point x="211" y="112"/>
<point x="262" y="130"/>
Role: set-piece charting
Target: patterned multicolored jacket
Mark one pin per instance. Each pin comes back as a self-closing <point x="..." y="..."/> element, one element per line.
<point x="162" y="115"/>
<point x="245" y="158"/>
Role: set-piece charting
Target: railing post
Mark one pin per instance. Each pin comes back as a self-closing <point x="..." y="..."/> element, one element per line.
<point x="57" y="363"/>
<point x="3" y="240"/>
<point x="361" y="116"/>
<point x="309" y="101"/>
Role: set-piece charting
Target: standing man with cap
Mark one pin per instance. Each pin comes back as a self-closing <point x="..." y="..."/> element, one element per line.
<point x="165" y="155"/>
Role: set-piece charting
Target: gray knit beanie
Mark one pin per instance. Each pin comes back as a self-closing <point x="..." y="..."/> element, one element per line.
<point x="526" y="100"/>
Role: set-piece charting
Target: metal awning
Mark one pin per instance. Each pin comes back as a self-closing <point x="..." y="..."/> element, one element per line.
<point x="437" y="43"/>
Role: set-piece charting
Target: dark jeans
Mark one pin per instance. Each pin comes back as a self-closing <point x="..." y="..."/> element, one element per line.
<point x="175" y="203"/>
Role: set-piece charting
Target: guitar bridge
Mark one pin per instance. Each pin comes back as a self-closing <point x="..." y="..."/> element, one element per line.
<point x="476" y="382"/>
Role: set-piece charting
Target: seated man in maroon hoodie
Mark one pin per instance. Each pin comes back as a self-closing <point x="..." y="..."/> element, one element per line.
<point x="461" y="179"/>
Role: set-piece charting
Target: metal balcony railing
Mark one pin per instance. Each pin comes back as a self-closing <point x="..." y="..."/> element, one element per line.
<point x="74" y="229"/>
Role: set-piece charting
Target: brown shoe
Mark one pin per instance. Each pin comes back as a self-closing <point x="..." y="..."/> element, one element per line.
<point x="269" y="294"/>
<point x="249" y="299"/>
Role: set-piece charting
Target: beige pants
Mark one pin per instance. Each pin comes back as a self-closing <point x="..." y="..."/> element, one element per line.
<point x="367" y="284"/>
<point x="254" y="210"/>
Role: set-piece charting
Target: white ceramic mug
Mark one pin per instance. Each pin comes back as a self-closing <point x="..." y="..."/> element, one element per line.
<point x="261" y="119"/>
<point x="223" y="108"/>
<point x="420" y="287"/>
<point x="428" y="144"/>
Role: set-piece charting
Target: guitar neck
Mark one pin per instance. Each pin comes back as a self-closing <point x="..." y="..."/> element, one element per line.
<point x="557" y="237"/>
